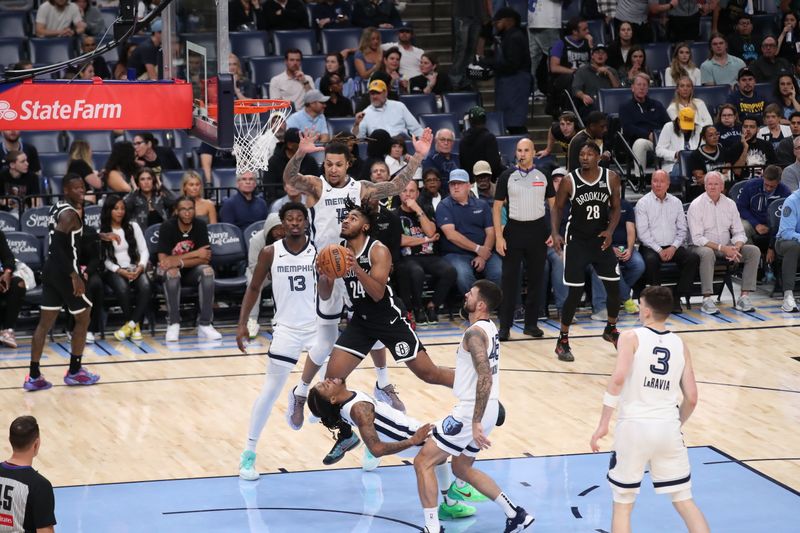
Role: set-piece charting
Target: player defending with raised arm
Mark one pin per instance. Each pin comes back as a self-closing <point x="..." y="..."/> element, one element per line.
<point x="289" y="262"/>
<point x="466" y="431"/>
<point x="652" y="364"/>
<point x="594" y="194"/>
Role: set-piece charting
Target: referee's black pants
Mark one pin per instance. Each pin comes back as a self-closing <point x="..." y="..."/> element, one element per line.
<point x="524" y="241"/>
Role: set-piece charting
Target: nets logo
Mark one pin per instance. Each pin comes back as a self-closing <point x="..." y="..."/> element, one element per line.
<point x="6" y="113"/>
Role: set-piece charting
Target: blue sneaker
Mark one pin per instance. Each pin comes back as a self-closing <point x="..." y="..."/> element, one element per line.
<point x="81" y="377"/>
<point x="519" y="522"/>
<point x="247" y="466"/>
<point x="36" y="384"/>
<point x="340" y="448"/>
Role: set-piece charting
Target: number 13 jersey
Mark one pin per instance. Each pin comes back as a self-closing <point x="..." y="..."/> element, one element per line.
<point x="294" y="286"/>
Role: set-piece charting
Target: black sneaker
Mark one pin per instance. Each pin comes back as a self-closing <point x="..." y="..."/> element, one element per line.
<point x="433" y="316"/>
<point x="522" y="520"/>
<point x="420" y="318"/>
<point x="504" y="334"/>
<point x="533" y="331"/>
<point x="563" y="351"/>
<point x="611" y="335"/>
<point x="501" y="414"/>
<point x="341" y="447"/>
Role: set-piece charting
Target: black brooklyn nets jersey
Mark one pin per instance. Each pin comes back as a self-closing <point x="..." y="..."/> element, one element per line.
<point x="62" y="245"/>
<point x="364" y="307"/>
<point x="590" y="207"/>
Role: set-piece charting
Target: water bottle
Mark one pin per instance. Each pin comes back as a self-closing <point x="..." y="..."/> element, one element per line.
<point x="769" y="275"/>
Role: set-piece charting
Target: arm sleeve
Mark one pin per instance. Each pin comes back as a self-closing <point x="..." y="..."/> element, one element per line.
<point x="696" y="225"/>
<point x="44" y="505"/>
<point x="501" y="189"/>
<point x="787" y="230"/>
<point x="488" y="221"/>
<point x="681" y="228"/>
<point x="166" y="238"/>
<point x="737" y="229"/>
<point x="643" y="228"/>
<point x="630" y="128"/>
<point x="743" y="204"/>
<point x="443" y="215"/>
<point x="663" y="148"/>
<point x="141" y="245"/>
<point x="705" y="74"/>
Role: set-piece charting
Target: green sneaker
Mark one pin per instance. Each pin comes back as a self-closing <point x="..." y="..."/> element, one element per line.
<point x="451" y="512"/>
<point x="631" y="306"/>
<point x="467" y="493"/>
<point x="247" y="466"/>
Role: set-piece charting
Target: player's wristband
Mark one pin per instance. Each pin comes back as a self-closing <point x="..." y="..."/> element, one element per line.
<point x="610" y="400"/>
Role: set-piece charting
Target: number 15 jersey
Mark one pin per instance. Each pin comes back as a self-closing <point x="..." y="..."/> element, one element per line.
<point x="294" y="286"/>
<point x="329" y="211"/>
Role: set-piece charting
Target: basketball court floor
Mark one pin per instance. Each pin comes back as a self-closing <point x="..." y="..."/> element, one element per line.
<point x="155" y="446"/>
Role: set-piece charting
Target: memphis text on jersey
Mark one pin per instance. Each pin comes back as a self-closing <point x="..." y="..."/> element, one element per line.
<point x="656" y="383"/>
<point x="292" y="269"/>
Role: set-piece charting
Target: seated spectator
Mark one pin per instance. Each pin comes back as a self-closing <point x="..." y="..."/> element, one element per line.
<point x="744" y="97"/>
<point x="751" y="152"/>
<point x="334" y="64"/>
<point x="145" y="57"/>
<point x="184" y="257"/>
<point x="484" y="185"/>
<point x="590" y="78"/>
<point x="292" y="84"/>
<point x="272" y="231"/>
<point x="773" y="131"/>
<point x="634" y="64"/>
<point x="684" y="98"/>
<point x="716" y="232"/>
<point x="479" y="144"/>
<point x="378" y="147"/>
<point x="242" y="86"/>
<point x="13" y="141"/>
<point x="785" y="150"/>
<point x="89" y="44"/>
<point x="192" y="186"/>
<point x="640" y="118"/>
<point x="708" y="157"/>
<point x="377" y="13"/>
<point x="721" y="68"/>
<point x="787" y="245"/>
<point x="428" y="80"/>
<point x="683" y="133"/>
<point x="211" y="157"/>
<point x="59" y="18"/>
<point x="120" y="167"/>
<point x="560" y="134"/>
<point x="149" y="154"/>
<point x="292" y="195"/>
<point x="12" y="294"/>
<point x="789" y="38"/>
<point x="419" y="258"/>
<point x="619" y="49"/>
<point x="125" y="261"/>
<point x="442" y="157"/>
<point x="741" y="43"/>
<point x="753" y="201"/>
<point x="244" y="207"/>
<point x="245" y="15"/>
<point x="431" y="194"/>
<point x="769" y="66"/>
<point x="595" y="131"/>
<point x="149" y="203"/>
<point x="785" y="95"/>
<point x="391" y="68"/>
<point x="468" y="233"/>
<point x="338" y="105"/>
<point x="91" y="15"/>
<point x="369" y="56"/>
<point x="285" y="15"/>
<point x="16" y="179"/>
<point x="82" y="164"/>
<point x="728" y="125"/>
<point x="554" y="263"/>
<point x="681" y="65"/>
<point x="410" y="54"/>
<point x="661" y="227"/>
<point x="311" y="116"/>
<point x="333" y="14"/>
<point x="382" y="113"/>
<point x="727" y="15"/>
<point x="566" y="56"/>
<point x="284" y="151"/>
<point x="398" y="158"/>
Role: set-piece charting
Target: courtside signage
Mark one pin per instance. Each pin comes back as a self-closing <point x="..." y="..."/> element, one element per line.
<point x="95" y="105"/>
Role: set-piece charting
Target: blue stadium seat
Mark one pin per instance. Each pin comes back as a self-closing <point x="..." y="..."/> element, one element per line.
<point x="8" y="222"/>
<point x="495" y="123"/>
<point x="388" y="35"/>
<point x="699" y="52"/>
<point x="337" y="39"/>
<point x="437" y="121"/>
<point x="303" y="40"/>
<point x="249" y="43"/>
<point x="459" y="103"/>
<point x="171" y="179"/>
<point x="227" y="250"/>
<point x="53" y="185"/>
<point x="419" y="104"/>
<point x="11" y="51"/>
<point x="50" y="49"/>
<point x="341" y="124"/>
<point x="26" y="248"/>
<point x="599" y="31"/>
<point x="13" y="24"/>
<point x="91" y="216"/>
<point x="713" y="95"/>
<point x="224" y="177"/>
<point x="208" y="40"/>
<point x="54" y="164"/>
<point x="100" y="141"/>
<point x="44" y="141"/>
<point x="507" y="146"/>
<point x="250" y="231"/>
<point x="765" y="90"/>
<point x="736" y="190"/>
<point x="314" y="66"/>
<point x="99" y="159"/>
<point x="34" y="222"/>
<point x="110" y="15"/>
<point x="660" y="94"/>
<point x="570" y="9"/>
<point x="658" y="56"/>
<point x="262" y="69"/>
<point x="705" y="29"/>
<point x="151" y="238"/>
<point x="763" y="25"/>
<point x="610" y="100"/>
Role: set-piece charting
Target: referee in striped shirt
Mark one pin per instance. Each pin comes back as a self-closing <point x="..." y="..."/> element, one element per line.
<point x="525" y="190"/>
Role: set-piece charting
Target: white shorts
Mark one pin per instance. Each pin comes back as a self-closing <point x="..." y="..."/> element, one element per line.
<point x="453" y="434"/>
<point x="331" y="309"/>
<point x="288" y="343"/>
<point x="659" y="443"/>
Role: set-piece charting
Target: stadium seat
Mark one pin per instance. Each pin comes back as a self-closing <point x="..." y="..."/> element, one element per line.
<point x="34" y="221"/>
<point x="570" y="10"/>
<point x="437" y="121"/>
<point x="49" y="50"/>
<point x="100" y="141"/>
<point x="507" y="146"/>
<point x="11" y="51"/>
<point x="660" y="94"/>
<point x="247" y="44"/>
<point x="314" y="66"/>
<point x="736" y="190"/>
<point x="763" y="25"/>
<point x="658" y="56"/>
<point x="599" y="31"/>
<point x="341" y="124"/>
<point x="54" y="164"/>
<point x="26" y="248"/>
<point x="262" y="69"/>
<point x="303" y="40"/>
<point x="224" y="177"/>
<point x="8" y="222"/>
<point x="713" y="95"/>
<point x="699" y="52"/>
<point x="419" y="104"/>
<point x="13" y="24"/>
<point x="53" y="185"/>
<point x="171" y="179"/>
<point x="207" y="40"/>
<point x="388" y="35"/>
<point x="705" y="29"/>
<point x="163" y="136"/>
<point x="99" y="159"/>
<point x="765" y="90"/>
<point x="110" y="15"/>
<point x="459" y="103"/>
<point x="610" y="100"/>
<point x="495" y="122"/>
<point x="44" y="141"/>
<point x="337" y="39"/>
<point x="151" y="238"/>
<point x="91" y="216"/>
<point x="250" y="231"/>
<point x="227" y="253"/>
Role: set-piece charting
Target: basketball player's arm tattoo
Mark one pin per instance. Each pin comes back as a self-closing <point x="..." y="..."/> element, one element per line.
<point x="310" y="185"/>
<point x="476" y="343"/>
<point x="363" y="414"/>
<point x="387" y="189"/>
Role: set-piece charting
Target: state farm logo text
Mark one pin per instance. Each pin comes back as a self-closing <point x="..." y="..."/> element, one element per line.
<point x="78" y="109"/>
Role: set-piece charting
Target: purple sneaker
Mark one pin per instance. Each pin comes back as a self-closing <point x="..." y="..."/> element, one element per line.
<point x="36" y="384"/>
<point x="81" y="377"/>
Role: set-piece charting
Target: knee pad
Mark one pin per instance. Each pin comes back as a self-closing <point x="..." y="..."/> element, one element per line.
<point x="623" y="497"/>
<point x="681" y="495"/>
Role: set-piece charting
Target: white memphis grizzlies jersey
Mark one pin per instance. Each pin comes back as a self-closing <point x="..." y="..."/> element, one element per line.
<point x="466" y="377"/>
<point x="652" y="388"/>
<point x="294" y="286"/>
<point x="328" y="213"/>
<point x="392" y="425"/>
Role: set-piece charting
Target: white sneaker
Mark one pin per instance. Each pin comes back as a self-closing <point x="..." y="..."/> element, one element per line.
<point x="745" y="304"/>
<point x="89" y="337"/>
<point x="600" y="316"/>
<point x="173" y="332"/>
<point x="208" y="332"/>
<point x="789" y="305"/>
<point x="369" y="462"/>
<point x="247" y="466"/>
<point x="709" y="307"/>
<point x="252" y="328"/>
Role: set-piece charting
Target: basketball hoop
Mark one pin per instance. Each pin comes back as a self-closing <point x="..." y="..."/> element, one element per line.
<point x="256" y="123"/>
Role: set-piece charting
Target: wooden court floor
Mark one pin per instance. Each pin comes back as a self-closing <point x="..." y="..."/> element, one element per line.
<point x="181" y="411"/>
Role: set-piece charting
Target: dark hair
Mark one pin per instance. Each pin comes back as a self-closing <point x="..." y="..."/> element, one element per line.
<point x="399" y="140"/>
<point x="340" y="71"/>
<point x="569" y="116"/>
<point x="292" y="206"/>
<point x="329" y="414"/>
<point x="776" y="91"/>
<point x="750" y="117"/>
<point x="715" y="35"/>
<point x="23" y="432"/>
<point x="148" y="137"/>
<point x="705" y="129"/>
<point x="572" y="25"/>
<point x="659" y="299"/>
<point x="379" y="143"/>
<point x="433" y="171"/>
<point x="122" y="158"/>
<point x="433" y="58"/>
<point x="629" y="59"/>
<point x="157" y="189"/>
<point x="732" y="108"/>
<point x="794" y="114"/>
<point x="107" y="248"/>
<point x="182" y="198"/>
<point x="68" y="177"/>
<point x="12" y="156"/>
<point x="337" y="148"/>
<point x="293" y="51"/>
<point x="590" y="144"/>
<point x="596" y="117"/>
<point x="489" y="293"/>
<point x="744" y="15"/>
<point x="365" y="211"/>
<point x="392" y="50"/>
<point x="772" y="173"/>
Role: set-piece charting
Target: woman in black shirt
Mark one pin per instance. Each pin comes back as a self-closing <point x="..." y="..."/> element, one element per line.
<point x="331" y="85"/>
<point x="429" y="81"/>
<point x="150" y="154"/>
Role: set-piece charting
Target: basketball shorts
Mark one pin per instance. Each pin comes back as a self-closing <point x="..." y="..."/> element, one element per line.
<point x="331" y="309"/>
<point x="57" y="293"/>
<point x="657" y="442"/>
<point x="360" y="337"/>
<point x="288" y="343"/>
<point x="453" y="434"/>
<point x="580" y="253"/>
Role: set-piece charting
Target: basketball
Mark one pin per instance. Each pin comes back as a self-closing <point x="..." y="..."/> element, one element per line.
<point x="332" y="260"/>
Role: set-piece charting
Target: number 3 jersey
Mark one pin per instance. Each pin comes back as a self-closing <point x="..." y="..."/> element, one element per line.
<point x="652" y="387"/>
<point x="294" y="286"/>
<point x="590" y="207"/>
<point x="329" y="212"/>
<point x="364" y="307"/>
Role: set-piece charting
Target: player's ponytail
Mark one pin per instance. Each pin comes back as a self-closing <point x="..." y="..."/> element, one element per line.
<point x="328" y="413"/>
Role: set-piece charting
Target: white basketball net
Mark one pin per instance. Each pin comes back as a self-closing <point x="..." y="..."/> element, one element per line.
<point x="254" y="139"/>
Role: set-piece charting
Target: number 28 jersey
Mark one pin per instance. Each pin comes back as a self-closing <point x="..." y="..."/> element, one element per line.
<point x="590" y="206"/>
<point x="294" y="286"/>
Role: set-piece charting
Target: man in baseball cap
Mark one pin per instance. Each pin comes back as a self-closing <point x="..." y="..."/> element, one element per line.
<point x="312" y="116"/>
<point x="382" y="113"/>
<point x="483" y="188"/>
<point x="410" y="55"/>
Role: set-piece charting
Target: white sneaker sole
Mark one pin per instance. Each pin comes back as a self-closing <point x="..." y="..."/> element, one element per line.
<point x="248" y="475"/>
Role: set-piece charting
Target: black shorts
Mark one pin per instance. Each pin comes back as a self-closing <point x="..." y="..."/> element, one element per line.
<point x="580" y="253"/>
<point x="57" y="293"/>
<point x="360" y="336"/>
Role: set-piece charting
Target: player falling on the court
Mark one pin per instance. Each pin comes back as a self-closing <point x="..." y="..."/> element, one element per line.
<point x="62" y="285"/>
<point x="594" y="194"/>
<point x="387" y="431"/>
<point x="652" y="365"/>
<point x="466" y="430"/>
<point x="289" y="262"/>
<point x="326" y="196"/>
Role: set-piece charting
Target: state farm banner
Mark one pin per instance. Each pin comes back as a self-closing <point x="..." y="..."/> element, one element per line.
<point x="95" y="105"/>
